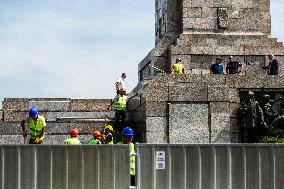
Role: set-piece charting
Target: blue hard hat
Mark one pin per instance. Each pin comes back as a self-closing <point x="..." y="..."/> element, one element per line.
<point x="33" y="112"/>
<point x="127" y="131"/>
<point x="178" y="59"/>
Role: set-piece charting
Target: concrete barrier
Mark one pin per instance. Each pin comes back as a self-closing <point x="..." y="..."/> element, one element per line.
<point x="210" y="166"/>
<point x="64" y="167"/>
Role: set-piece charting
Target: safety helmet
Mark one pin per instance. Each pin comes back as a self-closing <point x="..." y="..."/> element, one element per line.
<point x="96" y="133"/>
<point x="33" y="112"/>
<point x="109" y="127"/>
<point x="127" y="131"/>
<point x="122" y="90"/>
<point x="74" y="132"/>
<point x="178" y="59"/>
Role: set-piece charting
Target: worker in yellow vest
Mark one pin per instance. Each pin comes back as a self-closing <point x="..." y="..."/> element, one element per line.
<point x="96" y="138"/>
<point x="127" y="137"/>
<point x="74" y="137"/>
<point x="107" y="136"/>
<point x="120" y="103"/>
<point x="37" y="127"/>
<point x="178" y="67"/>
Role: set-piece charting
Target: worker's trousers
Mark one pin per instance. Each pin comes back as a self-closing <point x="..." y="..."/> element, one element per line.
<point x="119" y="120"/>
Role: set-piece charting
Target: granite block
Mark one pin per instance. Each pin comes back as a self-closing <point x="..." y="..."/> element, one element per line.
<point x="156" y="124"/>
<point x="11" y="139"/>
<point x="155" y="92"/>
<point x="219" y="107"/>
<point x="154" y="137"/>
<point x="89" y="127"/>
<point x="220" y="128"/>
<point x="87" y="105"/>
<point x="1" y="115"/>
<point x="10" y="128"/>
<point x="235" y="125"/>
<point x="188" y="123"/>
<point x="233" y="95"/>
<point x="219" y="94"/>
<point x="133" y="104"/>
<point x="14" y="116"/>
<point x="156" y="109"/>
<point x="50" y="105"/>
<point x="52" y="116"/>
<point x="188" y="92"/>
<point x="20" y="104"/>
<point x="234" y="109"/>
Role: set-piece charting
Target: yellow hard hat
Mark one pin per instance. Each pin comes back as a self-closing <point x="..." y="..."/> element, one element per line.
<point x="109" y="127"/>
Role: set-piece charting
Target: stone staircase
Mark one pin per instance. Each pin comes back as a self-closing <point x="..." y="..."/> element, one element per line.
<point x="61" y="115"/>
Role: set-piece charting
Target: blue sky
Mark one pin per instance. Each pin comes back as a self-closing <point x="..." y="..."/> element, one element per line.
<point x="78" y="48"/>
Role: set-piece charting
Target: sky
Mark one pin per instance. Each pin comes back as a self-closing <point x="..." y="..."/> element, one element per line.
<point x="78" y="48"/>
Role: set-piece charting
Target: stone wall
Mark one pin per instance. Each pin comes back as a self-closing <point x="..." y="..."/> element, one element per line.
<point x="86" y="115"/>
<point x="195" y="108"/>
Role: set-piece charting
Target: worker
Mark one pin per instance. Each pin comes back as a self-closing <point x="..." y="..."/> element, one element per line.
<point x="127" y="137"/>
<point x="178" y="67"/>
<point x="120" y="83"/>
<point x="107" y="136"/>
<point x="120" y="102"/>
<point x="74" y="137"/>
<point x="97" y="138"/>
<point x="37" y="126"/>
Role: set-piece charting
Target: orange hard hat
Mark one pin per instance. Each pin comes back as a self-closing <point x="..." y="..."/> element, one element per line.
<point x="96" y="133"/>
<point x="74" y="132"/>
<point x="122" y="90"/>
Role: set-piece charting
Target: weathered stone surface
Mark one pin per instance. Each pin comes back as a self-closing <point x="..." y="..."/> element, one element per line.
<point x="156" y="109"/>
<point x="11" y="139"/>
<point x="233" y="95"/>
<point x="219" y="107"/>
<point x="156" y="124"/>
<point x="219" y="94"/>
<point x="1" y="115"/>
<point x="188" y="123"/>
<point x="220" y="128"/>
<point x="154" y="137"/>
<point x="87" y="105"/>
<point x="20" y="104"/>
<point x="188" y="92"/>
<point x="234" y="109"/>
<point x="156" y="92"/>
<point x="14" y="116"/>
<point x="50" y="105"/>
<point x="10" y="128"/>
<point x="235" y="126"/>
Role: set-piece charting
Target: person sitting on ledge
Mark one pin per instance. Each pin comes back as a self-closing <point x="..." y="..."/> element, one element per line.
<point x="217" y="68"/>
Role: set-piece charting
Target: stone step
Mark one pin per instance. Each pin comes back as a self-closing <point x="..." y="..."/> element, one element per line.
<point x="56" y="104"/>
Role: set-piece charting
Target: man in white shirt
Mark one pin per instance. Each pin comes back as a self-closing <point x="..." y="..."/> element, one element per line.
<point x="120" y="83"/>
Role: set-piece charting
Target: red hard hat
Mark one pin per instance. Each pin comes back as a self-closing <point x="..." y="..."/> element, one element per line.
<point x="74" y="132"/>
<point x="96" y="133"/>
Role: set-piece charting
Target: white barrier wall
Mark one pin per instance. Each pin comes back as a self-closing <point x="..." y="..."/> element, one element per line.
<point x="210" y="166"/>
<point x="64" y="167"/>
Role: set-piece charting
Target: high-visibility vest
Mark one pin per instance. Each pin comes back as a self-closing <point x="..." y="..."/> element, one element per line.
<point x="106" y="138"/>
<point x="36" y="127"/>
<point x="178" y="68"/>
<point x="132" y="155"/>
<point x="72" y="140"/>
<point x="132" y="158"/>
<point x="95" y="141"/>
<point x="120" y="104"/>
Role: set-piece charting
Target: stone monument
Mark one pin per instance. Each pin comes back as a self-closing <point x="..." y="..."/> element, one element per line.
<point x="200" y="107"/>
